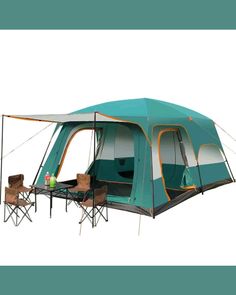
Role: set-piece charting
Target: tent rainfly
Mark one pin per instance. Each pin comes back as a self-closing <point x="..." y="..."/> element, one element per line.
<point x="151" y="154"/>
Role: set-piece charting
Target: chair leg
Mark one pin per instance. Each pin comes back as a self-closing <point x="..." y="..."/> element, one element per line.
<point x="93" y="217"/>
<point x="68" y="202"/>
<point x="82" y="216"/>
<point x="94" y="214"/>
<point x="4" y="212"/>
<point x="26" y="212"/>
<point x="100" y="211"/>
<point x="15" y="210"/>
<point x="86" y="214"/>
<point x="106" y="212"/>
<point x="17" y="215"/>
<point x="10" y="212"/>
<point x="80" y="229"/>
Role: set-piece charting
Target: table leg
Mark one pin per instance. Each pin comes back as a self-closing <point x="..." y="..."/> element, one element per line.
<point x="50" y="204"/>
<point x="35" y="199"/>
<point x="66" y="199"/>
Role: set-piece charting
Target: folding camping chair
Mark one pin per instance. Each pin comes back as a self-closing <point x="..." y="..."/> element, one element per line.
<point x="16" y="206"/>
<point x="83" y="183"/>
<point x="83" y="186"/>
<point x="17" y="182"/>
<point x="91" y="207"/>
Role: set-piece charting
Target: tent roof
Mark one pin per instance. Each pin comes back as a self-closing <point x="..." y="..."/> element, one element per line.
<point x="143" y="108"/>
<point x="147" y="113"/>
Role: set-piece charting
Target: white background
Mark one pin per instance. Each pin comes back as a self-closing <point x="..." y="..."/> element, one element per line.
<point x="62" y="71"/>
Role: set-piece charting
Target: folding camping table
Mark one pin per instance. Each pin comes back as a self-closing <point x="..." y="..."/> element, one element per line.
<point x="61" y="190"/>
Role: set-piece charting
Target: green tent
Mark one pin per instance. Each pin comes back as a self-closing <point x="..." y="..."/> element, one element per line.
<point x="151" y="154"/>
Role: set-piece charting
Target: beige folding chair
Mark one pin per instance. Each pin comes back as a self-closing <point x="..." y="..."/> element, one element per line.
<point x="92" y="208"/>
<point x="16" y="207"/>
<point x="83" y="183"/>
<point x="82" y="188"/>
<point x="17" y="182"/>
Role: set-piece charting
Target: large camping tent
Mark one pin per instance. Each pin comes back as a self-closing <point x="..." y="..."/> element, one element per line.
<point x="151" y="154"/>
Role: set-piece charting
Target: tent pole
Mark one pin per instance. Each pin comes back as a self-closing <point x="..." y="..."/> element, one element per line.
<point x="153" y="215"/>
<point x="139" y="224"/>
<point x="182" y="148"/>
<point x="1" y="159"/>
<point x="41" y="164"/>
<point x="230" y="170"/>
<point x="94" y="158"/>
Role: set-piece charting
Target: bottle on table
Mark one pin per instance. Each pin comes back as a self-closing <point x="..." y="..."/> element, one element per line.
<point x="47" y="179"/>
<point x="53" y="180"/>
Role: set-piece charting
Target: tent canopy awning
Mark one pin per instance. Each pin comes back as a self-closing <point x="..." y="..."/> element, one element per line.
<point x="64" y="118"/>
<point x="145" y="113"/>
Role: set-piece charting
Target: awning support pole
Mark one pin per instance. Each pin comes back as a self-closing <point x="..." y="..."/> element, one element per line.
<point x="1" y="159"/>
<point x="94" y="159"/>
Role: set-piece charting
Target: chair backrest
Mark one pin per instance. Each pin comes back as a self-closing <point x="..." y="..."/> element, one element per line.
<point x="100" y="195"/>
<point x="11" y="195"/>
<point x="16" y="181"/>
<point x="83" y="181"/>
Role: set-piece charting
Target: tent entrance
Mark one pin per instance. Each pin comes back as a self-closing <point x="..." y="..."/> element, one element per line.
<point x="174" y="163"/>
<point x="115" y="162"/>
<point x="77" y="155"/>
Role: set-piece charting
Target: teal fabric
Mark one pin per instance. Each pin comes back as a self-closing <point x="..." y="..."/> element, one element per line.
<point x="159" y="192"/>
<point x="173" y="175"/>
<point x="213" y="172"/>
<point x="187" y="179"/>
<point x="145" y="115"/>
<point x="148" y="113"/>
<point x="142" y="192"/>
<point x="118" y="199"/>
<point x="210" y="173"/>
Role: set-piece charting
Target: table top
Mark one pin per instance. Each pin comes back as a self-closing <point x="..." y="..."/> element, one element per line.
<point x="58" y="186"/>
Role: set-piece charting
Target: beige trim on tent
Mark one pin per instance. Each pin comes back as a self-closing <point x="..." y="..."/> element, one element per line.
<point x="64" y="118"/>
<point x="159" y="154"/>
<point x="30" y="119"/>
